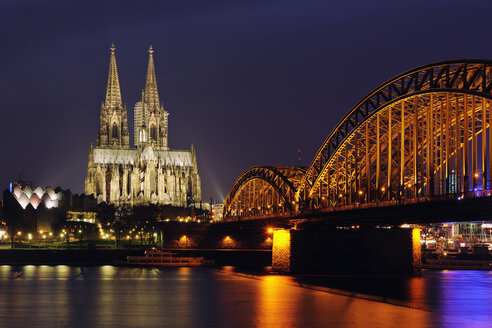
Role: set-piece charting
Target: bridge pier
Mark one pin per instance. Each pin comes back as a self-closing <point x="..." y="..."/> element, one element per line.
<point x="393" y="251"/>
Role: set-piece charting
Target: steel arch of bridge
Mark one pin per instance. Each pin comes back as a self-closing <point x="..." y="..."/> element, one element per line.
<point x="418" y="111"/>
<point x="263" y="190"/>
<point x="422" y="134"/>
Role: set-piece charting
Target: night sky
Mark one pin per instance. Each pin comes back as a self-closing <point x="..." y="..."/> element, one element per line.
<point x="247" y="82"/>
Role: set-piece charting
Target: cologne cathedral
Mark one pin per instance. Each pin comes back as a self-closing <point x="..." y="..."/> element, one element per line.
<point x="150" y="173"/>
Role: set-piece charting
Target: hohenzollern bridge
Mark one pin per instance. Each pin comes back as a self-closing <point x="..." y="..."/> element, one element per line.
<point x="419" y="144"/>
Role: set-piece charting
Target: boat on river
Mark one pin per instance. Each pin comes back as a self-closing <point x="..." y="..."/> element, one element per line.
<point x="158" y="258"/>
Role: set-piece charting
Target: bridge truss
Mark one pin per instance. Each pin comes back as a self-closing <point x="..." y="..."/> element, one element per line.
<point x="422" y="134"/>
<point x="263" y="190"/>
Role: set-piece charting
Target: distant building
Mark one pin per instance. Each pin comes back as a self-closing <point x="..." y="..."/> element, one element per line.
<point x="150" y="173"/>
<point x="216" y="211"/>
<point x="36" y="210"/>
<point x="25" y="195"/>
<point x="79" y="216"/>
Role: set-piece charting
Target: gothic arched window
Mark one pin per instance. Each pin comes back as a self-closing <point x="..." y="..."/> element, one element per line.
<point x="153" y="132"/>
<point x="143" y="137"/>
<point x="99" y="184"/>
<point x="114" y="132"/>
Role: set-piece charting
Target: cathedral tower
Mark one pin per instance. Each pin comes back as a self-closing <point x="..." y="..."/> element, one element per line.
<point x="113" y="126"/>
<point x="149" y="173"/>
<point x="150" y="116"/>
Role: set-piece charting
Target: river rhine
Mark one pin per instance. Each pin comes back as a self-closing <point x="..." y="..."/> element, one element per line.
<point x="108" y="296"/>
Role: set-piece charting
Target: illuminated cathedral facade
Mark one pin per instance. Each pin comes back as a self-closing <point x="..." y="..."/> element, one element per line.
<point x="149" y="173"/>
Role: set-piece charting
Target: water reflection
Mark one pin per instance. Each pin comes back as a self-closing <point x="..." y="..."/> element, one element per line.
<point x="272" y="308"/>
<point x="107" y="296"/>
<point x="464" y="294"/>
<point x="283" y="305"/>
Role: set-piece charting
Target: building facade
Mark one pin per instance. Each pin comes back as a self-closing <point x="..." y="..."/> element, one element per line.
<point x="149" y="173"/>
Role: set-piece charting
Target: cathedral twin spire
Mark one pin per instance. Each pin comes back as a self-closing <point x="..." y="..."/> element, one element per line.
<point x="113" y="130"/>
<point x="151" y="97"/>
<point x="113" y="93"/>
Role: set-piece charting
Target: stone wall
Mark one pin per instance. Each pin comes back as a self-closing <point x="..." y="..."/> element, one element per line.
<point x="353" y="251"/>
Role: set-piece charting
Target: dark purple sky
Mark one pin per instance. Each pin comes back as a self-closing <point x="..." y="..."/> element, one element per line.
<point x="247" y="82"/>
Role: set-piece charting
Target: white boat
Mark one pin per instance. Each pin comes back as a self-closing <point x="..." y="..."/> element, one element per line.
<point x="158" y="258"/>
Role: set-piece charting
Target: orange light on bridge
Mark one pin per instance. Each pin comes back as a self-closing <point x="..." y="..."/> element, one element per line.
<point x="228" y="242"/>
<point x="270" y="230"/>
<point x="360" y="192"/>
<point x="409" y="185"/>
<point x="476" y="175"/>
<point x="383" y="189"/>
<point x="281" y="250"/>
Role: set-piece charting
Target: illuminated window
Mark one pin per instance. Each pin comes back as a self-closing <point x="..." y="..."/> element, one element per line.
<point x="143" y="136"/>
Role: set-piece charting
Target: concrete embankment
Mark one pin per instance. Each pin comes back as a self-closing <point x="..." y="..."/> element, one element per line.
<point x="236" y="257"/>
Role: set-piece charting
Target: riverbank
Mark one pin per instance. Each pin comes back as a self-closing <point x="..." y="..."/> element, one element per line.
<point x="50" y="256"/>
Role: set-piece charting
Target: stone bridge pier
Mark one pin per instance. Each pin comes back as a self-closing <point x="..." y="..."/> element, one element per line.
<point x="394" y="251"/>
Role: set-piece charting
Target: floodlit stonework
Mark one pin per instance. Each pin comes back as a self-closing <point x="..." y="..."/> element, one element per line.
<point x="150" y="173"/>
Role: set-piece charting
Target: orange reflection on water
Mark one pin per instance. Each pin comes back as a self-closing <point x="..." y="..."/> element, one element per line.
<point x="282" y="303"/>
<point x="273" y="310"/>
<point x="417" y="291"/>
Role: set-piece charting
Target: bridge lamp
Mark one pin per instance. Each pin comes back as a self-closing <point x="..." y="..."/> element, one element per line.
<point x="383" y="189"/>
<point x="476" y="175"/>
<point x="270" y="230"/>
<point x="409" y="185"/>
<point x="360" y="192"/>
